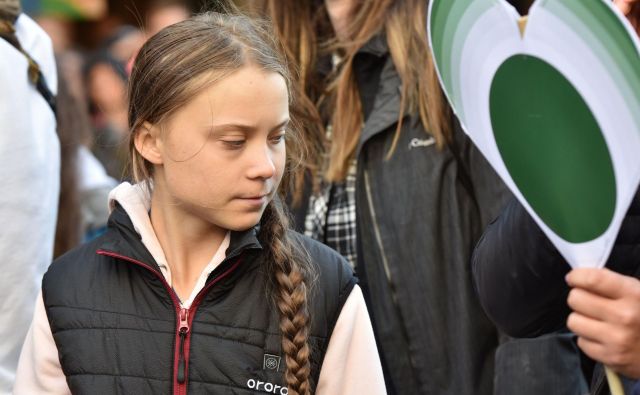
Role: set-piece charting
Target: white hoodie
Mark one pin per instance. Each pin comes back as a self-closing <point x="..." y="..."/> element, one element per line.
<point x="30" y="179"/>
<point x="351" y="364"/>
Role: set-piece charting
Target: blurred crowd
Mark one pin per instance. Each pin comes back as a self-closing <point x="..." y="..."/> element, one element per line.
<point x="95" y="42"/>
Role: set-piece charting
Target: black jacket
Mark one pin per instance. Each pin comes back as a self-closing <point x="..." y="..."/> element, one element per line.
<point x="520" y="274"/>
<point x="119" y="327"/>
<point x="419" y="214"/>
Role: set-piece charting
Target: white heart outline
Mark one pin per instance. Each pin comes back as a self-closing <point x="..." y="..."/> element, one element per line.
<point x="503" y="29"/>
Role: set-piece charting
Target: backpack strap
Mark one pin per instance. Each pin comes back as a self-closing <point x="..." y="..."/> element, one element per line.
<point x="8" y="33"/>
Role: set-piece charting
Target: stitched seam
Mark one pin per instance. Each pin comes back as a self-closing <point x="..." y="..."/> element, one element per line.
<point x="96" y="328"/>
<point x="171" y="321"/>
<point x="246" y="329"/>
<point x="109" y="312"/>
<point x="118" y="375"/>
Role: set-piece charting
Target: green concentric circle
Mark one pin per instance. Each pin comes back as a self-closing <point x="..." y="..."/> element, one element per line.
<point x="553" y="148"/>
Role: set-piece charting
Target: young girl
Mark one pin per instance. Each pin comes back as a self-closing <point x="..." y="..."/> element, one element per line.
<point x="198" y="285"/>
<point x="400" y="191"/>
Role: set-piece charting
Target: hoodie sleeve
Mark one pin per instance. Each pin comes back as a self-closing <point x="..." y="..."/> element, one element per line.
<point x="39" y="370"/>
<point x="351" y="364"/>
<point x="30" y="178"/>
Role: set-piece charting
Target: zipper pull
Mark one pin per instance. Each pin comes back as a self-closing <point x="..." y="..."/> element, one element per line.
<point x="184" y="329"/>
<point x="184" y="320"/>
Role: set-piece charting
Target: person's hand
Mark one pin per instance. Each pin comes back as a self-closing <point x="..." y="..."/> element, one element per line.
<point x="630" y="8"/>
<point x="606" y="317"/>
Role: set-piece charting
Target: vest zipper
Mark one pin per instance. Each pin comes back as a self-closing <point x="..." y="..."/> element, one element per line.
<point x="184" y="330"/>
<point x="185" y="319"/>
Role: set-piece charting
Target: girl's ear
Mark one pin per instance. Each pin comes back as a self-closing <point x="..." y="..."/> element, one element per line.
<point x="148" y="144"/>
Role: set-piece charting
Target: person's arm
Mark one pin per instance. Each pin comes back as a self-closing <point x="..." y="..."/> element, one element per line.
<point x="519" y="275"/>
<point x="606" y="317"/>
<point x="351" y="364"/>
<point x="39" y="370"/>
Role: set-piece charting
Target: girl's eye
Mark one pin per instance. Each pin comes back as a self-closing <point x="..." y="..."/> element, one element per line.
<point x="233" y="144"/>
<point x="278" y="139"/>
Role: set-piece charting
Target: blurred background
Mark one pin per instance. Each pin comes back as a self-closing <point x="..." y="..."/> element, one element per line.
<point x="95" y="42"/>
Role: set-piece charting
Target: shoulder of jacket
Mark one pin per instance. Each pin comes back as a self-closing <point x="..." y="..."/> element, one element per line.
<point x="331" y="267"/>
<point x="75" y="262"/>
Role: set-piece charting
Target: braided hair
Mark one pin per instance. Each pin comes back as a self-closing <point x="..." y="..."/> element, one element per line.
<point x="290" y="291"/>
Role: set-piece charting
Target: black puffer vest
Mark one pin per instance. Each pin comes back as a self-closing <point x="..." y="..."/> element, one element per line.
<point x="119" y="327"/>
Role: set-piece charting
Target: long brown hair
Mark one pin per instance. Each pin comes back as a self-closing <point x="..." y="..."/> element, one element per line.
<point x="172" y="68"/>
<point x="403" y="22"/>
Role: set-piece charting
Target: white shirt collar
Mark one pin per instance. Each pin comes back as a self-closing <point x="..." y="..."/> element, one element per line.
<point x="136" y="201"/>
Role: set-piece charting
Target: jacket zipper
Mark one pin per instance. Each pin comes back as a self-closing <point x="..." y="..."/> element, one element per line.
<point x="376" y="229"/>
<point x="185" y="319"/>
<point x="184" y="332"/>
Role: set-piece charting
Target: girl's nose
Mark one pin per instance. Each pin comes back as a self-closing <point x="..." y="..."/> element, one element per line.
<point x="262" y="165"/>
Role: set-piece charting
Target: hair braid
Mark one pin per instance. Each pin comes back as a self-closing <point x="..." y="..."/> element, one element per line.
<point x="290" y="296"/>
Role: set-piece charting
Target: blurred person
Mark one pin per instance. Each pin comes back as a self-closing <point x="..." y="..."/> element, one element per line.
<point x="30" y="152"/>
<point x="124" y="43"/>
<point x="163" y="13"/>
<point x="85" y="185"/>
<point x="199" y="285"/>
<point x="106" y="85"/>
<point x="398" y="188"/>
<point x="68" y="226"/>
<point x="58" y="18"/>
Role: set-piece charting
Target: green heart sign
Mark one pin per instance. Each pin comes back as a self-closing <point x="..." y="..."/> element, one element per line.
<point x="554" y="104"/>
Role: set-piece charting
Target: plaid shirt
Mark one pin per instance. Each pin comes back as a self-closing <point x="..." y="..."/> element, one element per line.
<point x="331" y="218"/>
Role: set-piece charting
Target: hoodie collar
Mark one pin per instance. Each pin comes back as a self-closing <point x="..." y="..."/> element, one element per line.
<point x="130" y="205"/>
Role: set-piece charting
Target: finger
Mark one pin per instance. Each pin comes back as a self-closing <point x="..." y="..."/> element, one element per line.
<point x="591" y="305"/>
<point x="618" y="358"/>
<point x="595" y="350"/>
<point x="603" y="282"/>
<point x="587" y="327"/>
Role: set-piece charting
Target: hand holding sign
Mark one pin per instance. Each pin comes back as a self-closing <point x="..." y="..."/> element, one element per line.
<point x="606" y="317"/>
<point x="552" y="102"/>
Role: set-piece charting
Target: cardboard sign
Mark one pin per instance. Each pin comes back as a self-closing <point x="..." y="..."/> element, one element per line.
<point x="553" y="102"/>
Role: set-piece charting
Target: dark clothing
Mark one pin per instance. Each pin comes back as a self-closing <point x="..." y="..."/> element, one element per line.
<point x="419" y="214"/>
<point x="549" y="365"/>
<point x="519" y="274"/>
<point x="119" y="327"/>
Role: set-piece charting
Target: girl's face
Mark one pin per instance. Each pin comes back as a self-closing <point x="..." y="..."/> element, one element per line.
<point x="222" y="156"/>
<point x="340" y="13"/>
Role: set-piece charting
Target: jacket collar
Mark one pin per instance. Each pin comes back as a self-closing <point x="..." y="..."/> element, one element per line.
<point x="123" y="239"/>
<point x="386" y="108"/>
<point x="376" y="46"/>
